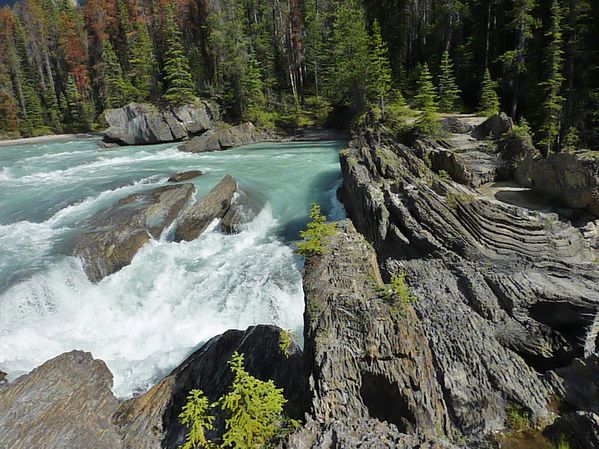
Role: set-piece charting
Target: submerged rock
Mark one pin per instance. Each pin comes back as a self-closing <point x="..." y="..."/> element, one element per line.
<point x="64" y="403"/>
<point x="185" y="176"/>
<point x="151" y="421"/>
<point x="144" y="124"/>
<point x="224" y="139"/>
<point x="117" y="233"/>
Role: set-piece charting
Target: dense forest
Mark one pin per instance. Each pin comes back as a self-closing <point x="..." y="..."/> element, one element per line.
<point x="300" y="62"/>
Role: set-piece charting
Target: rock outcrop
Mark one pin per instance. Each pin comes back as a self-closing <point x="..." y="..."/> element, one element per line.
<point x="64" y="403"/>
<point x="225" y="201"/>
<point x="494" y="127"/>
<point x="144" y="124"/>
<point x="151" y="420"/>
<point x="224" y="139"/>
<point x="185" y="176"/>
<point x="504" y="296"/>
<point x="117" y="233"/>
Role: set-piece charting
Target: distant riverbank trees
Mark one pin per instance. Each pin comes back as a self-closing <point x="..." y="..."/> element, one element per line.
<point x="293" y="63"/>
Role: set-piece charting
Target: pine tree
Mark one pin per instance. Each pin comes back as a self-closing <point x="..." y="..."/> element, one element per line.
<point x="142" y="62"/>
<point x="552" y="106"/>
<point x="314" y="42"/>
<point x="116" y="91"/>
<point x="449" y="94"/>
<point x="251" y="89"/>
<point x="197" y="420"/>
<point x="426" y="100"/>
<point x="74" y="118"/>
<point x="380" y="68"/>
<point x="179" y="87"/>
<point x="254" y="409"/>
<point x="489" y="101"/>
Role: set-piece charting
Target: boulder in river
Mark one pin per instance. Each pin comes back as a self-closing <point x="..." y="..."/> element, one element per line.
<point x="151" y="421"/>
<point x="64" y="403"/>
<point x="224" y="138"/>
<point x="225" y="201"/>
<point x="185" y="176"/>
<point x="144" y="124"/>
<point x="117" y="233"/>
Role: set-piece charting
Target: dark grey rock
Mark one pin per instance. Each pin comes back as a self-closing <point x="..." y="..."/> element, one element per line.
<point x="494" y="127"/>
<point x="456" y="125"/>
<point x="215" y="204"/>
<point x="224" y="139"/>
<point x="63" y="404"/>
<point x="185" y="176"/>
<point x="117" y="233"/>
<point x="244" y="209"/>
<point x="151" y="420"/>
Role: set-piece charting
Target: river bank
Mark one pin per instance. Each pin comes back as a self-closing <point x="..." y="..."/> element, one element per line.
<point x="45" y="139"/>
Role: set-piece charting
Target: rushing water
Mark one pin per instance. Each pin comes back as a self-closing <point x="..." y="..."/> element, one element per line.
<point x="146" y="318"/>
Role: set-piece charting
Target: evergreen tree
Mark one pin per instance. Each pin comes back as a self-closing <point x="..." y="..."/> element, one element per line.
<point x="489" y="101"/>
<point x="552" y="106"/>
<point x="380" y="68"/>
<point x="9" y="110"/>
<point x="315" y="41"/>
<point x="449" y="94"/>
<point x="116" y="90"/>
<point x="74" y="116"/>
<point x="254" y="409"/>
<point x="142" y="63"/>
<point x="426" y="101"/>
<point x="251" y="89"/>
<point x="197" y="420"/>
<point x="179" y="87"/>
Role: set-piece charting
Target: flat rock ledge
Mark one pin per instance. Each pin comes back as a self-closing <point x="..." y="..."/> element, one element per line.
<point x="225" y="138"/>
<point x="185" y="176"/>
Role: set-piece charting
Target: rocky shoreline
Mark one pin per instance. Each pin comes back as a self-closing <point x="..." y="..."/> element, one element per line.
<point x="497" y="315"/>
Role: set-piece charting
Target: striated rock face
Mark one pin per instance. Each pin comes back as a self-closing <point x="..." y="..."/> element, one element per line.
<point x="63" y="404"/>
<point x="504" y="296"/>
<point x="568" y="179"/>
<point x="224" y="139"/>
<point x="143" y="124"/>
<point x="117" y="233"/>
<point x="224" y="201"/>
<point x="151" y="420"/>
<point x="185" y="176"/>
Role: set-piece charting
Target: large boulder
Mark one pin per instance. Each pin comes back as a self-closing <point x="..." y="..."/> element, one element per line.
<point x="225" y="201"/>
<point x="224" y="139"/>
<point x="63" y="404"/>
<point x="185" y="176"/>
<point x="151" y="421"/>
<point x="144" y="124"/>
<point x="494" y="127"/>
<point x="117" y="233"/>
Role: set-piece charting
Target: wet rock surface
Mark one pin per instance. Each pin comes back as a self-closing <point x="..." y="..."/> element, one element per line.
<point x="144" y="124"/>
<point x="185" y="176"/>
<point x="63" y="404"/>
<point x="117" y="233"/>
<point x="224" y="139"/>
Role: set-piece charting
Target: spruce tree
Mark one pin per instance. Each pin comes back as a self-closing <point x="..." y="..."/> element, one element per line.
<point x="197" y="420"/>
<point x="251" y="89"/>
<point x="489" y="101"/>
<point x="142" y="63"/>
<point x="552" y="106"/>
<point x="178" y="83"/>
<point x="116" y="90"/>
<point x="426" y="101"/>
<point x="74" y="119"/>
<point x="380" y="68"/>
<point x="449" y="94"/>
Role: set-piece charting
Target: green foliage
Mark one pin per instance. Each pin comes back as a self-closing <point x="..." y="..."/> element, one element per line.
<point x="571" y="141"/>
<point x="449" y="93"/>
<point x="116" y="89"/>
<point x="74" y="115"/>
<point x="196" y="419"/>
<point x="562" y="443"/>
<point x="142" y="63"/>
<point x="397" y="293"/>
<point x="179" y="88"/>
<point x="286" y="338"/>
<point x="315" y="233"/>
<point x="444" y="176"/>
<point x="253" y="409"/>
<point x="489" y="101"/>
<point x="380" y="68"/>
<point x="552" y="106"/>
<point x="426" y="100"/>
<point x="517" y="418"/>
<point x="522" y="129"/>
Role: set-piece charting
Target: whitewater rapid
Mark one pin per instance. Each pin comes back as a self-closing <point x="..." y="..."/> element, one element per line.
<point x="145" y="319"/>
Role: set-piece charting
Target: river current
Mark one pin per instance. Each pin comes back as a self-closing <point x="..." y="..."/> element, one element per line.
<point x="145" y="319"/>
